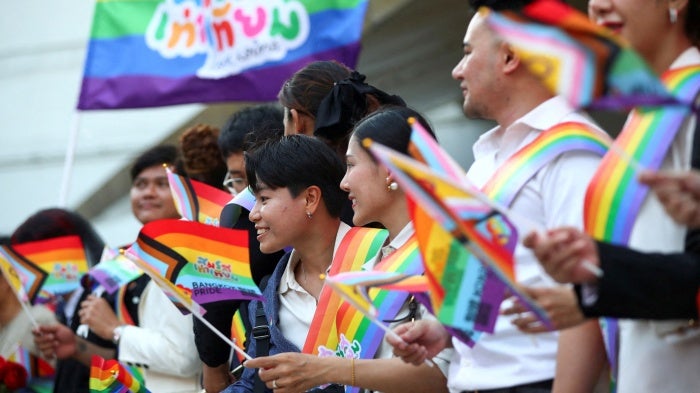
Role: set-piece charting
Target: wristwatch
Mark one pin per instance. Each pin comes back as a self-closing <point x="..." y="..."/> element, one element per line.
<point x="117" y="334"/>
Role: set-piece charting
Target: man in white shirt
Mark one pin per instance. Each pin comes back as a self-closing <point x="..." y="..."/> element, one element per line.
<point x="496" y="85"/>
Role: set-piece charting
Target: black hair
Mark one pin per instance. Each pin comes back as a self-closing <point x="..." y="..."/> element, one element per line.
<point x="158" y="155"/>
<point x="57" y="222"/>
<point x="249" y="125"/>
<point x="297" y="162"/>
<point x="390" y="127"/>
<point x="336" y="97"/>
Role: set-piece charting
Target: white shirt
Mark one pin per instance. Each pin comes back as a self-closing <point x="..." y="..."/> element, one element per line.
<point x="651" y="359"/>
<point x="297" y="307"/>
<point x="164" y="342"/>
<point x="552" y="198"/>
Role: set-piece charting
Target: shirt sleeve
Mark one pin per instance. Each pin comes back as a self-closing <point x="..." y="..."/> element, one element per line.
<point x="164" y="342"/>
<point x="643" y="285"/>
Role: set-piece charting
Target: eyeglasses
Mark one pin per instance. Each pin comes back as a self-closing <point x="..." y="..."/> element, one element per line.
<point x="234" y="184"/>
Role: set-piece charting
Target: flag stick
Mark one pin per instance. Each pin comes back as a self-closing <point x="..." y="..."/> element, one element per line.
<point x="70" y="159"/>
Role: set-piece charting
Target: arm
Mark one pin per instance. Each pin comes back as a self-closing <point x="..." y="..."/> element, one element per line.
<point x="58" y="341"/>
<point x="297" y="372"/>
<point x="640" y="285"/>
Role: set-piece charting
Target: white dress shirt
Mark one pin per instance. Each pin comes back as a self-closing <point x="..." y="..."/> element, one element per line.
<point x="552" y="198"/>
<point x="164" y="342"/>
<point x="652" y="357"/>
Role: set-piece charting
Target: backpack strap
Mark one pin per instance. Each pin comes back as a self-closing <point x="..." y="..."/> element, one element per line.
<point x="261" y="334"/>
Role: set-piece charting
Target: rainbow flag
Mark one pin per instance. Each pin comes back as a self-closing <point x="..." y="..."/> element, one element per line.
<point x="467" y="281"/>
<point x="338" y="329"/>
<point x="164" y="52"/>
<point x="614" y="196"/>
<point x="588" y="64"/>
<point x="178" y="294"/>
<point x="110" y="376"/>
<point x="197" y="201"/>
<point x="63" y="258"/>
<point x="428" y="189"/>
<point x="24" y="277"/>
<point x="209" y="262"/>
<point x="114" y="270"/>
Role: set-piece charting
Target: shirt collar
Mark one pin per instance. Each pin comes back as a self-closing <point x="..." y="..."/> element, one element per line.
<point x="507" y="141"/>
<point x="690" y="56"/>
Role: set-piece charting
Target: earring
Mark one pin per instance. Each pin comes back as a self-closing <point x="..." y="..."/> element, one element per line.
<point x="309" y="215"/>
<point x="673" y="15"/>
<point x="391" y="185"/>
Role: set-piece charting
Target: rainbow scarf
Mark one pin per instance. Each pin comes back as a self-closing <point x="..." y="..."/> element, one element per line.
<point x="337" y="328"/>
<point x="407" y="260"/>
<point x="614" y="196"/>
<point x="512" y="175"/>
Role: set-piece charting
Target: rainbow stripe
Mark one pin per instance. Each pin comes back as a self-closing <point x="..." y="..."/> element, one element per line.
<point x="179" y="295"/>
<point x="328" y="328"/>
<point x="197" y="201"/>
<point x="63" y="258"/>
<point x="166" y="52"/>
<point x="211" y="263"/>
<point x="505" y="184"/>
<point x="40" y="373"/>
<point x="614" y="196"/>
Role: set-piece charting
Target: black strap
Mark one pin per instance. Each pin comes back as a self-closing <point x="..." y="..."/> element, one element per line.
<point x="261" y="335"/>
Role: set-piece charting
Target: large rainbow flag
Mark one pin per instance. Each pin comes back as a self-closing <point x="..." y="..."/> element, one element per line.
<point x="209" y="262"/>
<point x="149" y="53"/>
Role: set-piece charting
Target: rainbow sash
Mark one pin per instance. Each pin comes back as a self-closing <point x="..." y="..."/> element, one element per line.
<point x="337" y="328"/>
<point x="512" y="175"/>
<point x="406" y="259"/>
<point x="614" y="196"/>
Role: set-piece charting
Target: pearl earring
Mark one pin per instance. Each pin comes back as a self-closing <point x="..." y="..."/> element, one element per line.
<point x="393" y="186"/>
<point x="309" y="215"/>
<point x="673" y="15"/>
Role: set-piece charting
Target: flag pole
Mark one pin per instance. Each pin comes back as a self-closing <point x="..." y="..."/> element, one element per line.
<point x="70" y="159"/>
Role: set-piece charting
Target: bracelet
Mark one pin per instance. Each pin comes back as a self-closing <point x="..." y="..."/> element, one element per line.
<point x="352" y="371"/>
